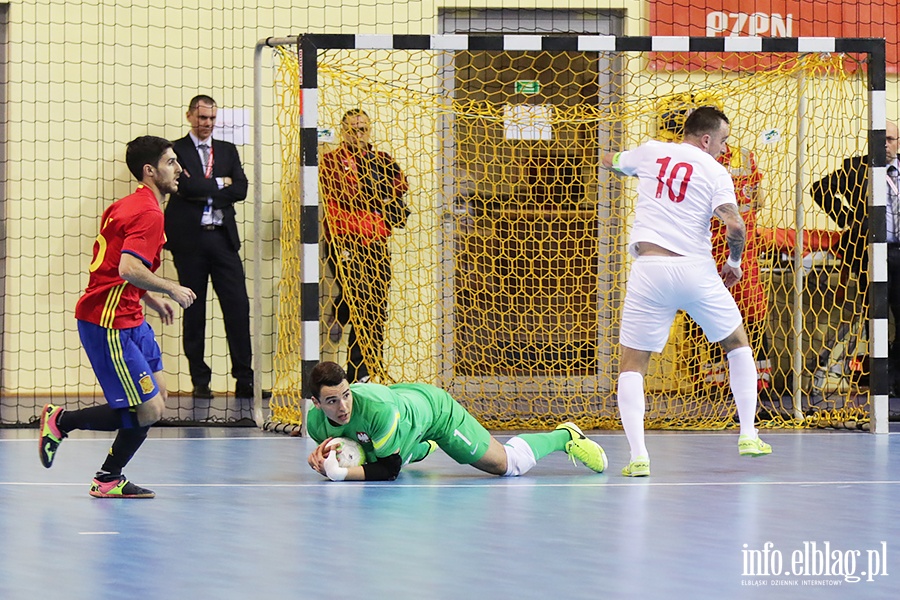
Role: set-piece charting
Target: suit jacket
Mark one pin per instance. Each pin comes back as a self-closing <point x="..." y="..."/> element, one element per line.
<point x="843" y="195"/>
<point x="185" y="208"/>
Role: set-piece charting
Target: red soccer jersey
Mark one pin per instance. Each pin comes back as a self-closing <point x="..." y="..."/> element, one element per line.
<point x="354" y="205"/>
<point x="133" y="225"/>
<point x="749" y="292"/>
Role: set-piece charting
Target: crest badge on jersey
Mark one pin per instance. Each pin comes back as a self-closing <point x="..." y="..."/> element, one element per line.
<point x="363" y="437"/>
<point x="146" y="383"/>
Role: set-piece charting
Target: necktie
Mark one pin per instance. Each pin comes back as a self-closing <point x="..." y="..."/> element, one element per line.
<point x="206" y="219"/>
<point x="894" y="200"/>
<point x="204" y="150"/>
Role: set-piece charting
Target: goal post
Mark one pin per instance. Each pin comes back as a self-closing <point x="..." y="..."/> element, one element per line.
<point x="508" y="279"/>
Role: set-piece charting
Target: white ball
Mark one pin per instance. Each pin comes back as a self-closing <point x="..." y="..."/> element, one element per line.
<point x="349" y="452"/>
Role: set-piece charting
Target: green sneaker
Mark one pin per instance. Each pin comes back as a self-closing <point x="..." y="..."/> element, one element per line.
<point x="753" y="446"/>
<point x="118" y="488"/>
<point x="580" y="447"/>
<point x="639" y="467"/>
<point x="51" y="437"/>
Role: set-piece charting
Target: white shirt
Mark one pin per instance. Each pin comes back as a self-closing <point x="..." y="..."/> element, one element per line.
<point x="679" y="187"/>
<point x="892" y="218"/>
<point x="211" y="216"/>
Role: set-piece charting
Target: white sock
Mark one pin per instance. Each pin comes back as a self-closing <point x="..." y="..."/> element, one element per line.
<point x="630" y="395"/>
<point x="519" y="457"/>
<point x="742" y="372"/>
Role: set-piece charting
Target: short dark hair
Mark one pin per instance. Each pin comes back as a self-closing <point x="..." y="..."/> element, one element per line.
<point x="704" y="120"/>
<point x="325" y="373"/>
<point x="196" y="100"/>
<point x="145" y="150"/>
<point x="354" y="112"/>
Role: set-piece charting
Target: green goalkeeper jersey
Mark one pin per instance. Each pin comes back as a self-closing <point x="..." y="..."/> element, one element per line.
<point x="391" y="419"/>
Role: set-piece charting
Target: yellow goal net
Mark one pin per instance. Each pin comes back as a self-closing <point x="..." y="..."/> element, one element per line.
<point x="505" y="282"/>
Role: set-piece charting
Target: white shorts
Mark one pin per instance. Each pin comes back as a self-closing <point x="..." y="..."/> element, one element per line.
<point x="658" y="286"/>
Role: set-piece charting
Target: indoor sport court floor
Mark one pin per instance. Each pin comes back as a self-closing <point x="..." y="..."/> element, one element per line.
<point x="238" y="514"/>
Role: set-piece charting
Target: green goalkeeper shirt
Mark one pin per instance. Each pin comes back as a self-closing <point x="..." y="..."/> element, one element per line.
<point x="390" y="419"/>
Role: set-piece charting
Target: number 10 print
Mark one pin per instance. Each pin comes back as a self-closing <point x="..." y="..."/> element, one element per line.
<point x="680" y="175"/>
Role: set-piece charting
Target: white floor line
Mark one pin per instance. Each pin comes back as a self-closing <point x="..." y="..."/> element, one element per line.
<point x="283" y="437"/>
<point x="479" y="485"/>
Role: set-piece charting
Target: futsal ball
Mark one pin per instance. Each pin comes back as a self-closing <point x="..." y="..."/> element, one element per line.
<point x="349" y="452"/>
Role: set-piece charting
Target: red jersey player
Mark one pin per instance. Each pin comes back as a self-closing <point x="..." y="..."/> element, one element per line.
<point x="118" y="341"/>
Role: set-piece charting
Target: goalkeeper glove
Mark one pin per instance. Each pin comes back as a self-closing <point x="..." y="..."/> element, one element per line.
<point x="333" y="470"/>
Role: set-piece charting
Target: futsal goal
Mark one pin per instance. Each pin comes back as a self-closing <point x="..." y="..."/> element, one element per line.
<point x="509" y="277"/>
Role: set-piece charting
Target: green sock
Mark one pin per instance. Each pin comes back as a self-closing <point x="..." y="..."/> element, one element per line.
<point x="542" y="444"/>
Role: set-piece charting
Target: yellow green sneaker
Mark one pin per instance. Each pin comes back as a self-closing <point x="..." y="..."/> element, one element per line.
<point x="753" y="446"/>
<point x="580" y="447"/>
<point x="118" y="488"/>
<point x="51" y="437"/>
<point x="639" y="467"/>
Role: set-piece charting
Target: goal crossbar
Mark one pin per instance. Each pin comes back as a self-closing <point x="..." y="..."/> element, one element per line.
<point x="871" y="51"/>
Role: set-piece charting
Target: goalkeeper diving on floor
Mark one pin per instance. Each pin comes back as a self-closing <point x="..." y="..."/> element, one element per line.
<point x="403" y="423"/>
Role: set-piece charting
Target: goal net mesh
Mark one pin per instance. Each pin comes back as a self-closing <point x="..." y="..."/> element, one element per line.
<point x="509" y="277"/>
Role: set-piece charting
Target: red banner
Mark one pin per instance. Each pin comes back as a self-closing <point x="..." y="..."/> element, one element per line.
<point x="776" y="18"/>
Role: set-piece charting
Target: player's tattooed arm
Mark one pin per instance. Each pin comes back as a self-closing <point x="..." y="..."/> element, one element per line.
<point x="735" y="230"/>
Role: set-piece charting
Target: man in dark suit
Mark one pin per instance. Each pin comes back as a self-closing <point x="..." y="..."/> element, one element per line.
<point x="202" y="236"/>
<point x="843" y="195"/>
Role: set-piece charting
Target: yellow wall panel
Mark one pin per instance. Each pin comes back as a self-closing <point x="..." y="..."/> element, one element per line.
<point x="85" y="77"/>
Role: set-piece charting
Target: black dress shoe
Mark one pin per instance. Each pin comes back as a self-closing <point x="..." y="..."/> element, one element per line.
<point x="203" y="392"/>
<point x="242" y="391"/>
